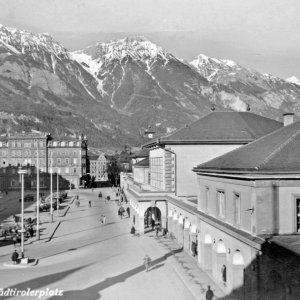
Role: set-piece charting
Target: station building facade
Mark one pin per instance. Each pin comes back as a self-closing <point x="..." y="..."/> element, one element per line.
<point x="169" y="196"/>
<point x="249" y="220"/>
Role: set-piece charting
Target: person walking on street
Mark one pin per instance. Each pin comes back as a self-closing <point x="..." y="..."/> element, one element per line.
<point x="31" y="231"/>
<point x="209" y="294"/>
<point x="128" y="211"/>
<point x="90" y="203"/>
<point x="15" y="256"/>
<point x="15" y="239"/>
<point x="157" y="230"/>
<point x="147" y="261"/>
<point x="104" y="219"/>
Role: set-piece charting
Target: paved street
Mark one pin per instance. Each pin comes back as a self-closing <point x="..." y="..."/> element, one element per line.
<point x="90" y="260"/>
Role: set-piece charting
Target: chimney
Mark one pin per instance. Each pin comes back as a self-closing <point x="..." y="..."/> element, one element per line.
<point x="288" y="118"/>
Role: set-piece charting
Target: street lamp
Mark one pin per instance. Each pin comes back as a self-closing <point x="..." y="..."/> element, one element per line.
<point x="57" y="185"/>
<point x="37" y="194"/>
<point x="22" y="172"/>
<point x="51" y="170"/>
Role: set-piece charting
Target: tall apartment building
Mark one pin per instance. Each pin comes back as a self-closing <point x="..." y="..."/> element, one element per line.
<point x="98" y="165"/>
<point x="68" y="158"/>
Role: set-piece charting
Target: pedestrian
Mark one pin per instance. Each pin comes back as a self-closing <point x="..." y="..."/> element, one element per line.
<point x="132" y="230"/>
<point x="15" y="256"/>
<point x="128" y="211"/>
<point x="77" y="197"/>
<point x="100" y="195"/>
<point x="152" y="223"/>
<point x="31" y="231"/>
<point x="147" y="261"/>
<point x="209" y="294"/>
<point x="122" y="210"/>
<point x="223" y="273"/>
<point x="90" y="203"/>
<point x="15" y="239"/>
<point x="157" y="230"/>
<point x="104" y="219"/>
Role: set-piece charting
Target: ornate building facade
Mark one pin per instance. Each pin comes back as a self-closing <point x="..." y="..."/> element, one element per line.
<point x="68" y="158"/>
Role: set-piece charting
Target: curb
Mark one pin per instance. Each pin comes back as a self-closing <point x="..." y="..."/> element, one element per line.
<point x="66" y="211"/>
<point x="50" y="238"/>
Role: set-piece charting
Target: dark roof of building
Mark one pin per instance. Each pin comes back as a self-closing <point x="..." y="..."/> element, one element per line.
<point x="142" y="153"/>
<point x="277" y="152"/>
<point x="142" y="163"/>
<point x="223" y="127"/>
<point x="93" y="156"/>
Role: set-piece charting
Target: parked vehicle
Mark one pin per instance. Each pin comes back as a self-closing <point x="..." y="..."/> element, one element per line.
<point x="54" y="198"/>
<point x="27" y="197"/>
<point x="45" y="206"/>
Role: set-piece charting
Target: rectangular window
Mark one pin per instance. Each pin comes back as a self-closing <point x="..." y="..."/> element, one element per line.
<point x="237" y="209"/>
<point x="206" y="203"/>
<point x="75" y="161"/>
<point x="74" y="170"/>
<point x="58" y="161"/>
<point x="221" y="203"/>
<point x="156" y="170"/>
<point x="67" y="161"/>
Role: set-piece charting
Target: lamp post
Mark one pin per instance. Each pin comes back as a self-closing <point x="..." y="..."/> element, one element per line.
<point x="57" y="185"/>
<point x="37" y="194"/>
<point x="22" y="172"/>
<point x="51" y="196"/>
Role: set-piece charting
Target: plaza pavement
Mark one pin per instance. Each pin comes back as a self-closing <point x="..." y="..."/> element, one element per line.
<point x="73" y="244"/>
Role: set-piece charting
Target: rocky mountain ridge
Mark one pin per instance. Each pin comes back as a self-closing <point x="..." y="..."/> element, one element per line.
<point x="113" y="91"/>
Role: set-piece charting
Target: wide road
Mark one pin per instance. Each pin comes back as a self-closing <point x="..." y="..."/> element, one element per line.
<point x="89" y="260"/>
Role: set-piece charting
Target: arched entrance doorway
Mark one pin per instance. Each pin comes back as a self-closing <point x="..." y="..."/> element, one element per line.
<point x="152" y="217"/>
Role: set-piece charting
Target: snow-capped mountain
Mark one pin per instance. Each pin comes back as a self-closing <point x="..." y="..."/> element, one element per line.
<point x="39" y="79"/>
<point x="139" y="78"/>
<point x="236" y="86"/>
<point x="293" y="79"/>
<point x="113" y="91"/>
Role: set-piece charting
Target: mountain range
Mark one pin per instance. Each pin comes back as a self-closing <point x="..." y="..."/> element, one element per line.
<point x="113" y="91"/>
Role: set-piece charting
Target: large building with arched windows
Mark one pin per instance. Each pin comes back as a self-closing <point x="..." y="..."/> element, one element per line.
<point x="227" y="222"/>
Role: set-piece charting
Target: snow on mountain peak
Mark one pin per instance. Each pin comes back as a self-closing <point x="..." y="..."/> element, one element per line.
<point x="138" y="48"/>
<point x="293" y="79"/>
<point x="21" y="41"/>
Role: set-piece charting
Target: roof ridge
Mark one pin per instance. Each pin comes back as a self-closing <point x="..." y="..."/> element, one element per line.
<point x="273" y="153"/>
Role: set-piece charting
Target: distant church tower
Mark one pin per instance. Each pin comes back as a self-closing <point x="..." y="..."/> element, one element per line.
<point x="149" y="132"/>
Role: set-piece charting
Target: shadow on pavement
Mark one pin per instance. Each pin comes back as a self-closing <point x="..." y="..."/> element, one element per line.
<point x="43" y="282"/>
<point x="93" y="292"/>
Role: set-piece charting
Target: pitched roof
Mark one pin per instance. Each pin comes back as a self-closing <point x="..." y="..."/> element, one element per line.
<point x="277" y="152"/>
<point x="142" y="153"/>
<point x="93" y="156"/>
<point x="142" y="163"/>
<point x="223" y="127"/>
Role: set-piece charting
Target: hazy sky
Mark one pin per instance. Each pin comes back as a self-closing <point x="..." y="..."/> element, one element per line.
<point x="263" y="34"/>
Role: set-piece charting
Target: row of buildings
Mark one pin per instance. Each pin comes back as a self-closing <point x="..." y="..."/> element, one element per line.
<point x="67" y="158"/>
<point x="227" y="187"/>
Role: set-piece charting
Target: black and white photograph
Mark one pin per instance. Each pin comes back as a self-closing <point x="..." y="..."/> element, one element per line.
<point x="149" y="149"/>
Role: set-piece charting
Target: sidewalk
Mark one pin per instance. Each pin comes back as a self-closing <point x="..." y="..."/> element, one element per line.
<point x="47" y="230"/>
<point x="187" y="269"/>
